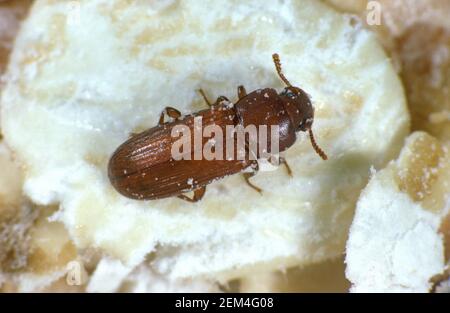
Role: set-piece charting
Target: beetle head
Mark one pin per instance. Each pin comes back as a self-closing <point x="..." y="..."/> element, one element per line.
<point x="298" y="106"/>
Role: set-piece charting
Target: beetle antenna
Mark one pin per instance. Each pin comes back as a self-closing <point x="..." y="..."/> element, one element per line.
<point x="276" y="60"/>
<point x="316" y="146"/>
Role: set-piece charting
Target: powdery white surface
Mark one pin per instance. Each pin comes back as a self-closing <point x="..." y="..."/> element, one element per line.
<point x="82" y="78"/>
<point x="28" y="282"/>
<point x="394" y="244"/>
<point x="108" y="276"/>
<point x="112" y="276"/>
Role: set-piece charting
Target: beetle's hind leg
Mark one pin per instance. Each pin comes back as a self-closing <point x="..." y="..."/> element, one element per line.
<point x="208" y="102"/>
<point x="171" y="112"/>
<point x="198" y="195"/>
<point x="241" y="92"/>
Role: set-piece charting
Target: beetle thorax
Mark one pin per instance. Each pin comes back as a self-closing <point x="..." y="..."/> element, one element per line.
<point x="299" y="108"/>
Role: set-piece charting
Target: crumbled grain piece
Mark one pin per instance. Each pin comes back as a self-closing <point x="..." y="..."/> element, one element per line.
<point x="395" y="242"/>
<point x="70" y="102"/>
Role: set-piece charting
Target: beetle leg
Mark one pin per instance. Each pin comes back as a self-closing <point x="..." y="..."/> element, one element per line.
<point x="171" y="112"/>
<point x="219" y="99"/>
<point x="247" y="177"/>
<point x="285" y="163"/>
<point x="205" y="97"/>
<point x="198" y="195"/>
<point x="281" y="161"/>
<point x="241" y="92"/>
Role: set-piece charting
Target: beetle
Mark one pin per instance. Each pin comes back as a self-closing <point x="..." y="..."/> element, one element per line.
<point x="143" y="168"/>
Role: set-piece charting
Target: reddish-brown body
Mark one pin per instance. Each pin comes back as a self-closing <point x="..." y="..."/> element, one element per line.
<point x="143" y="168"/>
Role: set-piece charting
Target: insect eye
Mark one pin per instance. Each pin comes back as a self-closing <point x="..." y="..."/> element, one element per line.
<point x="290" y="94"/>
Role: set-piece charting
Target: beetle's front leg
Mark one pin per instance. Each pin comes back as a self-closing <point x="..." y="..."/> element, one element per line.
<point x="209" y="103"/>
<point x="198" y="195"/>
<point x="171" y="112"/>
<point x="247" y="177"/>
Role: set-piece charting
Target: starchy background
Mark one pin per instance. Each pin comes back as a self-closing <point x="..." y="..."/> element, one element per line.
<point x="36" y="245"/>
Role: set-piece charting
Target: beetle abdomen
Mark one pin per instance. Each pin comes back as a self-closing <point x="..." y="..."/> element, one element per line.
<point x="175" y="177"/>
<point x="143" y="167"/>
